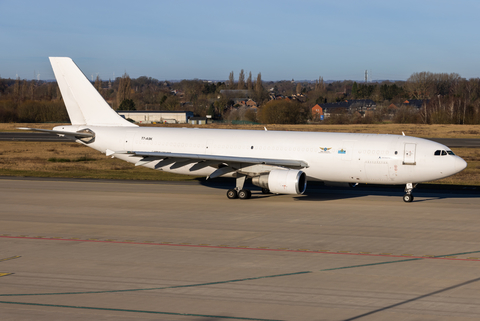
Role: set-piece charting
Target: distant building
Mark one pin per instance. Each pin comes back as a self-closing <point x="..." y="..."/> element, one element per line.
<point x="417" y="103"/>
<point x="317" y="112"/>
<point x="157" y="116"/>
<point x="247" y="103"/>
<point x="198" y="120"/>
<point x="353" y="105"/>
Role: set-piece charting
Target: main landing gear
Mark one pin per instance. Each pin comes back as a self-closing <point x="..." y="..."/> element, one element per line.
<point x="408" y="197"/>
<point x="239" y="192"/>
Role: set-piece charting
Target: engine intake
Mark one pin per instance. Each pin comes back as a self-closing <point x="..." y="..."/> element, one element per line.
<point x="283" y="181"/>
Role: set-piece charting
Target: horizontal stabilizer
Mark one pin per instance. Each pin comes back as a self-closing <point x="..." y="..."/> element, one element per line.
<point x="60" y="132"/>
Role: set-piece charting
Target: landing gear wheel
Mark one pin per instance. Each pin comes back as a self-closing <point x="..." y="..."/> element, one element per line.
<point x="244" y="194"/>
<point x="408" y="198"/>
<point x="265" y="191"/>
<point x="231" y="194"/>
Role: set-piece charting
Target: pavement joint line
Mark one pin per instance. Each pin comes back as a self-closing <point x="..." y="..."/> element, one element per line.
<point x="161" y="288"/>
<point x="235" y="280"/>
<point x="137" y="311"/>
<point x="263" y="248"/>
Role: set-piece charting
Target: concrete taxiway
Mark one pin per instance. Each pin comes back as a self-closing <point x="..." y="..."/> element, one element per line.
<point x="106" y="250"/>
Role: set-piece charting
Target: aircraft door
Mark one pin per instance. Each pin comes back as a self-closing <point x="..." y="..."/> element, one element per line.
<point x="409" y="154"/>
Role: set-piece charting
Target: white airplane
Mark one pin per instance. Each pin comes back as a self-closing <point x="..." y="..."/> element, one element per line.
<point x="279" y="162"/>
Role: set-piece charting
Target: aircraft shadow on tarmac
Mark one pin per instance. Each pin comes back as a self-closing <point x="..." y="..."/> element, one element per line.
<point x="319" y="192"/>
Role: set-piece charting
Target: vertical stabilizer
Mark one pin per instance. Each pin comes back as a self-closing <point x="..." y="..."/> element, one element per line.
<point x="85" y="105"/>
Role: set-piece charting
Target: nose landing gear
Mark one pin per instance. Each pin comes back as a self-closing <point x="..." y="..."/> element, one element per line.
<point x="408" y="197"/>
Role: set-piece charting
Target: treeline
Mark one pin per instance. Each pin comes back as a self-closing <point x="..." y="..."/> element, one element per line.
<point x="31" y="101"/>
<point x="448" y="98"/>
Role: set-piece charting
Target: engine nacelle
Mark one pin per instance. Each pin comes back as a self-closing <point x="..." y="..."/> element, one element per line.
<point x="282" y="181"/>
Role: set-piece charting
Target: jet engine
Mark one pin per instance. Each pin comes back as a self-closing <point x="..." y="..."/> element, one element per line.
<point x="282" y="181"/>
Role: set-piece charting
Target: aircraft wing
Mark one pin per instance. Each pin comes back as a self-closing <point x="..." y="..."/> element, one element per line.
<point x="225" y="164"/>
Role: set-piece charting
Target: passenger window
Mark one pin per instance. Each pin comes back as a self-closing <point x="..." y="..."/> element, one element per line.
<point x="437" y="153"/>
<point x="444" y="153"/>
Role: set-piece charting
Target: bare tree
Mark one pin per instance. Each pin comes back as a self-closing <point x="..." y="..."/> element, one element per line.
<point x="241" y="80"/>
<point x="320" y="85"/>
<point x="298" y="89"/>
<point x="98" y="84"/>
<point x="16" y="90"/>
<point x="249" y="81"/>
<point x="419" y="84"/>
<point x="231" y="81"/>
<point x="258" y="84"/>
<point x="31" y="90"/>
<point x="124" y="89"/>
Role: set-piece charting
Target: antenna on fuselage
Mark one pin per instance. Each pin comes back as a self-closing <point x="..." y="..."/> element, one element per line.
<point x="403" y="133"/>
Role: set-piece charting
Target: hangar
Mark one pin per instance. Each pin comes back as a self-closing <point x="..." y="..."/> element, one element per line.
<point x="156" y="116"/>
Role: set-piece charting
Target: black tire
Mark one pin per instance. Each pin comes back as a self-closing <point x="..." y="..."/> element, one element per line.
<point x="265" y="191"/>
<point x="232" y="194"/>
<point x="244" y="194"/>
<point x="408" y="198"/>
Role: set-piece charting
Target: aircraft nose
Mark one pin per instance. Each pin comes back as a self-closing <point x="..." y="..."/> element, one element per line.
<point x="460" y="164"/>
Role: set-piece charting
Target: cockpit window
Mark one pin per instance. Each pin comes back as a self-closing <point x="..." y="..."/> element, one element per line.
<point x="443" y="152"/>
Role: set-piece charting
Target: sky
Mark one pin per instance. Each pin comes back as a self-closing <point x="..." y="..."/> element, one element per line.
<point x="284" y="40"/>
